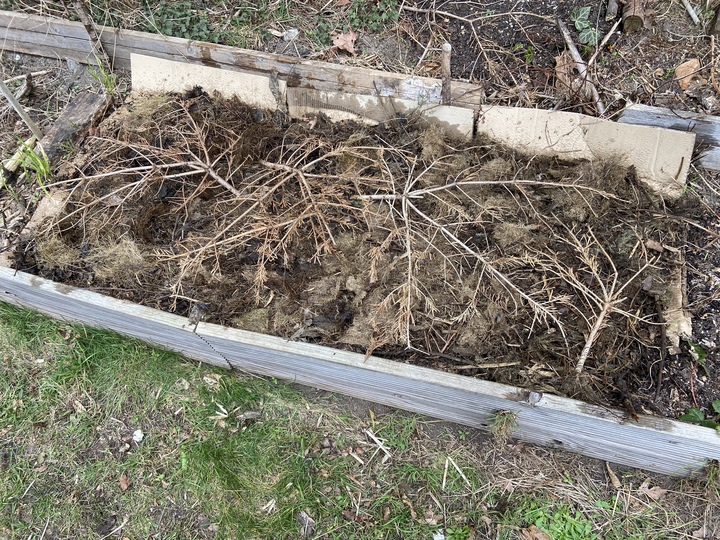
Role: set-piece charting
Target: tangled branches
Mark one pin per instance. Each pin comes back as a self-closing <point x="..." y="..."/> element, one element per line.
<point x="371" y="237"/>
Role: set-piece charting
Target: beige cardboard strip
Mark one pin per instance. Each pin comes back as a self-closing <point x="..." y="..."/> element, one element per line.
<point x="660" y="157"/>
<point x="156" y="75"/>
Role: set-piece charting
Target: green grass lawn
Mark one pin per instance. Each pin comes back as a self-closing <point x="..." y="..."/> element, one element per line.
<point x="102" y="436"/>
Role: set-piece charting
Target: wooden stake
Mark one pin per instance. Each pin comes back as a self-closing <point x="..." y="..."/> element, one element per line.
<point x="581" y="66"/>
<point x="446" y="95"/>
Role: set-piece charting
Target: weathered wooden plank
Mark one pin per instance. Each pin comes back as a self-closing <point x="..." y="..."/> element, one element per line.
<point x="705" y="126"/>
<point x="84" y="110"/>
<point x="25" y="33"/>
<point x="650" y="443"/>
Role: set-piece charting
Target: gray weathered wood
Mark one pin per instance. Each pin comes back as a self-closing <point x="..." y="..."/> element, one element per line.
<point x="84" y="110"/>
<point x="65" y="39"/>
<point x="650" y="443"/>
<point x="705" y="126"/>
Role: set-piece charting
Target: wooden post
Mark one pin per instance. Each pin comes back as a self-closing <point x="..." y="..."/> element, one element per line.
<point x="445" y="95"/>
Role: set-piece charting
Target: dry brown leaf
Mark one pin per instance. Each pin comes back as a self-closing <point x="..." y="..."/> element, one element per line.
<point x="341" y="3"/>
<point x="614" y="480"/>
<point x="345" y="41"/>
<point x="533" y="533"/>
<point x="686" y="73"/>
<point x="307" y="524"/>
<point x="124" y="482"/>
<point x="655" y="493"/>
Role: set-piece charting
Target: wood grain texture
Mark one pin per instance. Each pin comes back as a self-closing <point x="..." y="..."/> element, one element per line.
<point x="705" y="126"/>
<point x="65" y="39"/>
<point x="655" y="444"/>
<point x="84" y="110"/>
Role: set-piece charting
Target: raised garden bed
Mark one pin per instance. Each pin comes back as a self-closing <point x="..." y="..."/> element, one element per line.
<point x="397" y="239"/>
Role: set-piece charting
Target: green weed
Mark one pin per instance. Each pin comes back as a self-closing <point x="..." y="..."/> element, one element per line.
<point x="502" y="425"/>
<point x="106" y="78"/>
<point x="35" y="164"/>
<point x="588" y="33"/>
<point x="373" y="15"/>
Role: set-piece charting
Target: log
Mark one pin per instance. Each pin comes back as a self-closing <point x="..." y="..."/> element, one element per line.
<point x="706" y="128"/>
<point x="83" y="111"/>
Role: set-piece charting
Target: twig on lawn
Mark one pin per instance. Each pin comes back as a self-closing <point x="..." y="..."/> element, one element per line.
<point x="581" y="66"/>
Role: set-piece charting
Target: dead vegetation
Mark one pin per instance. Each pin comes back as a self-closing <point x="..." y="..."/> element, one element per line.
<point x="391" y="239"/>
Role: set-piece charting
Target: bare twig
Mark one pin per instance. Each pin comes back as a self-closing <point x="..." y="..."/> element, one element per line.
<point x="446" y="75"/>
<point x="599" y="48"/>
<point x="581" y="66"/>
<point x="691" y="11"/>
<point x="21" y="111"/>
<point x="89" y="25"/>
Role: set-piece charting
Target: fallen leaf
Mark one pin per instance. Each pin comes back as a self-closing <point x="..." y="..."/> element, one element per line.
<point x="345" y="41"/>
<point x="213" y="381"/>
<point x="614" y="480"/>
<point x="655" y="493"/>
<point x="307" y="524"/>
<point x="124" y="482"/>
<point x="341" y="3"/>
<point x="687" y="73"/>
<point x="533" y="533"/>
<point x="700" y="533"/>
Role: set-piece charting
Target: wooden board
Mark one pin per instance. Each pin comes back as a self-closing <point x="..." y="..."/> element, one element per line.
<point x="33" y="34"/>
<point x="706" y="128"/>
<point x="655" y="444"/>
<point x="83" y="111"/>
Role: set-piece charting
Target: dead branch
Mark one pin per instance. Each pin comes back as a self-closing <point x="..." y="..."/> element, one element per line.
<point x="582" y="67"/>
<point x="90" y="28"/>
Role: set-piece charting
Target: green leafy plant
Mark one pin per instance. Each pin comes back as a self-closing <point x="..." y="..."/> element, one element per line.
<point x="561" y="522"/>
<point x="697" y="416"/>
<point x="699" y="355"/>
<point x="35" y="163"/>
<point x="527" y="51"/>
<point x="179" y="19"/>
<point x="588" y="33"/>
<point x="458" y="533"/>
<point x="373" y="15"/>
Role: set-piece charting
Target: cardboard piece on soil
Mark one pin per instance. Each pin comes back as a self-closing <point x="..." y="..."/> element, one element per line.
<point x="155" y="75"/>
<point x="338" y="106"/>
<point x="660" y="157"/>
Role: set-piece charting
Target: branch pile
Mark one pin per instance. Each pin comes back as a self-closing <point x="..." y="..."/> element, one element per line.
<point x="388" y="239"/>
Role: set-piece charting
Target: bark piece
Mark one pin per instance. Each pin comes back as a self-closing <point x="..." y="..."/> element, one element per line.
<point x="633" y="16"/>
